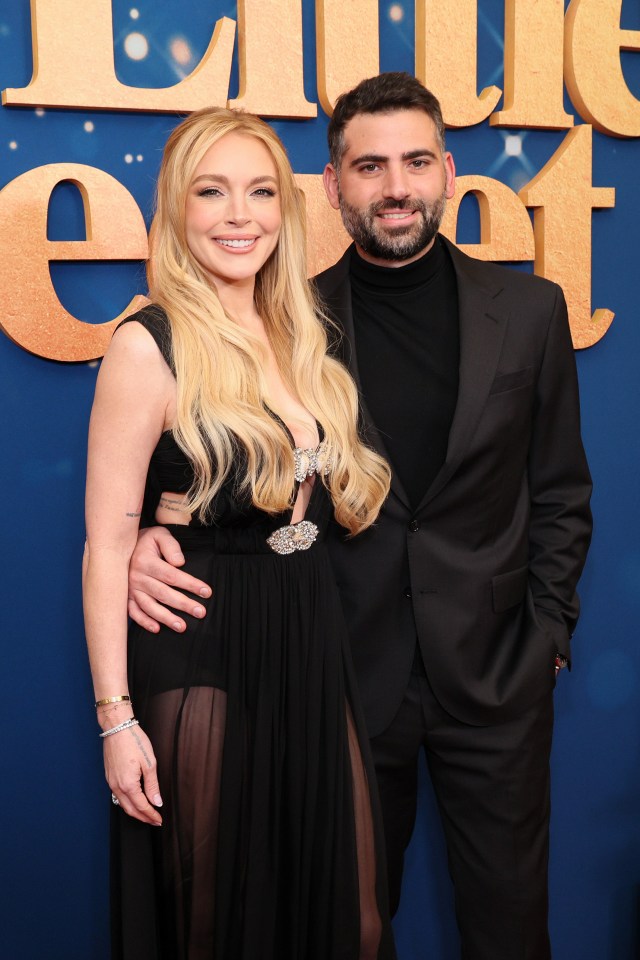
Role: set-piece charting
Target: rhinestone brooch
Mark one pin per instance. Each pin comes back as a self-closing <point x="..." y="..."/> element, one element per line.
<point x="308" y="462"/>
<point x="297" y="536"/>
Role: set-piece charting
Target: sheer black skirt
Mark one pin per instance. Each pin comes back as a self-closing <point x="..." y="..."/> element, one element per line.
<point x="271" y="846"/>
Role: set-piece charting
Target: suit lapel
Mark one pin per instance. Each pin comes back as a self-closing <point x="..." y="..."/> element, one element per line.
<point x="334" y="288"/>
<point x="482" y="330"/>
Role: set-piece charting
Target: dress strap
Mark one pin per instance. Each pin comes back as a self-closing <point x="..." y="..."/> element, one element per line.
<point x="154" y="319"/>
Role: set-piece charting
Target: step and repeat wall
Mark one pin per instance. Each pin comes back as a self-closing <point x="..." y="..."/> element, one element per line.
<point x="542" y="104"/>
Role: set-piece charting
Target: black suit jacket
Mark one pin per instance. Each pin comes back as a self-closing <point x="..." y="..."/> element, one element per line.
<point x="484" y="572"/>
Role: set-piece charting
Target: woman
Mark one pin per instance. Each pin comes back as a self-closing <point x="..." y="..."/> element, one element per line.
<point x="219" y="406"/>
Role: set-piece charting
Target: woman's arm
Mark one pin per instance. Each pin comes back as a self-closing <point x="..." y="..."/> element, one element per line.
<point x="134" y="402"/>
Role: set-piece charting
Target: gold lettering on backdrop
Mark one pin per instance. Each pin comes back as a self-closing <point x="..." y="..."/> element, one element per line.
<point x="73" y="64"/>
<point x="326" y="237"/>
<point x="33" y="317"/>
<point x="74" y="67"/>
<point x="506" y="232"/>
<point x="270" y="59"/>
<point x="348" y="48"/>
<point x="447" y="57"/>
<point x="533" y="56"/>
<point x="593" y="68"/>
<point x="30" y="311"/>
<point x="563" y="197"/>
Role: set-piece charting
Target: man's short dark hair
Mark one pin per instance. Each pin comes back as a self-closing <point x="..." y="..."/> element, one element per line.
<point x="381" y="94"/>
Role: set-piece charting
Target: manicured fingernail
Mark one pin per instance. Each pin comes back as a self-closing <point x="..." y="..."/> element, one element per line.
<point x="157" y="800"/>
<point x="199" y="611"/>
<point x="177" y="558"/>
<point x="178" y="626"/>
<point x="205" y="592"/>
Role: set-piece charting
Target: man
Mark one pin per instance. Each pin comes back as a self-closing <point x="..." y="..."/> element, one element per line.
<point x="461" y="601"/>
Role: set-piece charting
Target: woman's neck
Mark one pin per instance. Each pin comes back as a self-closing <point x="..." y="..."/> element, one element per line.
<point x="238" y="302"/>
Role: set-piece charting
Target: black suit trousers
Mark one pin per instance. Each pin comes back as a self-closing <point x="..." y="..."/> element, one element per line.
<point x="492" y="788"/>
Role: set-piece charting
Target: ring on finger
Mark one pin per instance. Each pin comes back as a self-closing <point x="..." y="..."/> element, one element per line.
<point x="115" y="800"/>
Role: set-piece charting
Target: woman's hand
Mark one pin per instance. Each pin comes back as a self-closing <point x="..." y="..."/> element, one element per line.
<point x="130" y="769"/>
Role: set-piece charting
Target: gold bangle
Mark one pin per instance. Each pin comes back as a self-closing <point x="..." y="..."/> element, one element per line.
<point x="125" y="698"/>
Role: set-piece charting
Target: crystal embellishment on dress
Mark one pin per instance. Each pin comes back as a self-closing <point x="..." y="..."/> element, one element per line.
<point x="297" y="536"/>
<point x="308" y="461"/>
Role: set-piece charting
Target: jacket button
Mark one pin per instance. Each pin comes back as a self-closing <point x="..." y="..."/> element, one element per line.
<point x="414" y="526"/>
<point x="407" y="593"/>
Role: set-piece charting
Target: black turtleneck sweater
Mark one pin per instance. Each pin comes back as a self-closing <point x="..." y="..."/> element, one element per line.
<point x="408" y="350"/>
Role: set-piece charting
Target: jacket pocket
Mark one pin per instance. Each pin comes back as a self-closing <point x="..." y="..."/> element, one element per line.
<point x="509" y="589"/>
<point x="504" y="382"/>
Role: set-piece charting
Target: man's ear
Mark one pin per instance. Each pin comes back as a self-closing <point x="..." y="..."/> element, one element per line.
<point x="450" y="174"/>
<point x="330" y="181"/>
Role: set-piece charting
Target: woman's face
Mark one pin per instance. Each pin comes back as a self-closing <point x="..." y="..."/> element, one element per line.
<point x="232" y="213"/>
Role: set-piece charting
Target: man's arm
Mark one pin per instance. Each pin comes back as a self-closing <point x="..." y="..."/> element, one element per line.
<point x="560" y="485"/>
<point x="155" y="583"/>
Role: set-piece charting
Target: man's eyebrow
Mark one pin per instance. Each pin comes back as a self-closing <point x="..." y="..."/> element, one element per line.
<point x="380" y="158"/>
<point x="219" y="178"/>
<point x="415" y="154"/>
<point x="368" y="158"/>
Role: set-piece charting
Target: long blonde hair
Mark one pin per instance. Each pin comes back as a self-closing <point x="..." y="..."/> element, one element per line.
<point x="221" y="407"/>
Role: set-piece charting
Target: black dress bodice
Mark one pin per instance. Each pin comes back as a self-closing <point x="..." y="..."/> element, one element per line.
<point x="170" y="470"/>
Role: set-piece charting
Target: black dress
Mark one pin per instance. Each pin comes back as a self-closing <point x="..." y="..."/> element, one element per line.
<point x="271" y="845"/>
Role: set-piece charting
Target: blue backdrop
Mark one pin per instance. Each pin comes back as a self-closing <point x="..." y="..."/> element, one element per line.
<point x="54" y="803"/>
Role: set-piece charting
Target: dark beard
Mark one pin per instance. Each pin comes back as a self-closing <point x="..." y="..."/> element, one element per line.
<point x="405" y="242"/>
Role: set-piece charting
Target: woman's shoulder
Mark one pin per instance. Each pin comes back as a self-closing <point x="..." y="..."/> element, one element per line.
<point x="154" y="319"/>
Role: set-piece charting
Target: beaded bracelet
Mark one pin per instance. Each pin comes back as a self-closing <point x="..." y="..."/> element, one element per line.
<point x="122" y="699"/>
<point x="131" y="722"/>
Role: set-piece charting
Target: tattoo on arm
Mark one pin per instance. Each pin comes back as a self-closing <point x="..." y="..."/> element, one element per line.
<point x="133" y="515"/>
<point x="177" y="506"/>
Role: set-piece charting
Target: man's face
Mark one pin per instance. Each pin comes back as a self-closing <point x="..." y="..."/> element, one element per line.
<point x="392" y="185"/>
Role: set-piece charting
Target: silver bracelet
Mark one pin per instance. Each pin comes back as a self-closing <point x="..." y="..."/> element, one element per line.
<point x="125" y="725"/>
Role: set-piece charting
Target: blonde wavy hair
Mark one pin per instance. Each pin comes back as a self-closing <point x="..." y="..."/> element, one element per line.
<point x="221" y="391"/>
